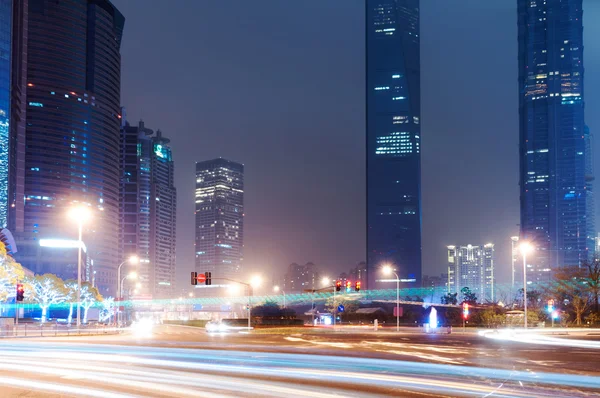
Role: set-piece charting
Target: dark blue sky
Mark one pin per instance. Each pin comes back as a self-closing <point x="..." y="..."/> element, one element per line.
<point x="279" y="86"/>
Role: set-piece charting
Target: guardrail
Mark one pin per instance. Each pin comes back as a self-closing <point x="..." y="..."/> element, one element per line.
<point x="54" y="330"/>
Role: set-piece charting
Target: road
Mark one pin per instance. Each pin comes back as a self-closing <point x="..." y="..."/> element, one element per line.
<point x="172" y="361"/>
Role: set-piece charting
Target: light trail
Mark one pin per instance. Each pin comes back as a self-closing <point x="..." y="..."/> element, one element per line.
<point x="153" y="371"/>
<point x="542" y="337"/>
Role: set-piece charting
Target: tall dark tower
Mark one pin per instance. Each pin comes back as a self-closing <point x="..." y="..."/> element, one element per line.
<point x="555" y="172"/>
<point x="393" y="139"/>
<point x="72" y="132"/>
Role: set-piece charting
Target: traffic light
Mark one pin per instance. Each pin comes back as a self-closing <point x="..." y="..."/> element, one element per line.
<point x="208" y="280"/>
<point x="194" y="278"/>
<point x="338" y="285"/>
<point x="348" y="286"/>
<point x="20" y="292"/>
<point x="550" y="306"/>
<point x="357" y="286"/>
<point x="465" y="310"/>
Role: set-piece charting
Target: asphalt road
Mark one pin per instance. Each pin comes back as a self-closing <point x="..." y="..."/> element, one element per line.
<point x="172" y="361"/>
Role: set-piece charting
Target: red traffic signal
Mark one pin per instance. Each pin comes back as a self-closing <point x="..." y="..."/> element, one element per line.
<point x="465" y="310"/>
<point x="20" y="292"/>
<point x="357" y="286"/>
<point x="338" y="286"/>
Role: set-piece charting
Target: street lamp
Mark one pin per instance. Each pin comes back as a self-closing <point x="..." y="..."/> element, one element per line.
<point x="387" y="269"/>
<point x="325" y="281"/>
<point x="525" y="248"/>
<point x="131" y="275"/>
<point x="80" y="215"/>
<point x="276" y="289"/>
<point x="132" y="260"/>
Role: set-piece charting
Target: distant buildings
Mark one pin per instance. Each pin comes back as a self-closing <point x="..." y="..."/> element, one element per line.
<point x="435" y="282"/>
<point x="393" y="138"/>
<point x="300" y="277"/>
<point x="66" y="142"/>
<point x="148" y="208"/>
<point x="219" y="218"/>
<point x="555" y="151"/>
<point x="472" y="267"/>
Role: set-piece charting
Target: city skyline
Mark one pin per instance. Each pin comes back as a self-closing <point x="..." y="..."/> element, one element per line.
<point x="458" y="139"/>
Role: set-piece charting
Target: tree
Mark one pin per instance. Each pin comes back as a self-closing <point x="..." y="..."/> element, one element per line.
<point x="89" y="296"/>
<point x="450" y="298"/>
<point x="492" y="317"/>
<point x="593" y="281"/>
<point x="573" y="291"/>
<point x="350" y="306"/>
<point x="71" y="297"/>
<point x="11" y="273"/>
<point x="108" y="305"/>
<point x="47" y="290"/>
<point x="468" y="296"/>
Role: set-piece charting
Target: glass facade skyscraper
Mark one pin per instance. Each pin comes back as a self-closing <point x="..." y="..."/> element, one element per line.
<point x="148" y="208"/>
<point x="219" y="217"/>
<point x="393" y="138"/>
<point x="72" y="132"/>
<point x="555" y="171"/>
<point x="5" y="71"/>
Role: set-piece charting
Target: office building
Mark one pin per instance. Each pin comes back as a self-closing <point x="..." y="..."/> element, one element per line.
<point x="219" y="218"/>
<point x="393" y="138"/>
<point x="473" y="267"/>
<point x="148" y="208"/>
<point x="555" y="169"/>
<point x="71" y="148"/>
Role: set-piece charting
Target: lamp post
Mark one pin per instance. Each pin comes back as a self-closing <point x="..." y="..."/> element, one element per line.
<point x="389" y="270"/>
<point x="132" y="260"/>
<point x="525" y="248"/>
<point x="79" y="214"/>
<point x="132" y="275"/>
<point x="276" y="289"/>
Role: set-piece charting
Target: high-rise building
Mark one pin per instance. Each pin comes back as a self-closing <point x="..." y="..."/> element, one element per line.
<point x="18" y="111"/>
<point x="555" y="176"/>
<point x="219" y="217"/>
<point x="148" y="208"/>
<point x="5" y="79"/>
<point x="473" y="267"/>
<point x="393" y="138"/>
<point x="71" y="152"/>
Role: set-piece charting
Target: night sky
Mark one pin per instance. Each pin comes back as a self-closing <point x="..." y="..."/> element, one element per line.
<point x="279" y="86"/>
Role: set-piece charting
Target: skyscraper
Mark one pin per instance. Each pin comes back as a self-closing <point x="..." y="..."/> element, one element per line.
<point x="473" y="267"/>
<point x="393" y="138"/>
<point x="5" y="78"/>
<point x="219" y="217"/>
<point x="554" y="172"/>
<point x="148" y="208"/>
<point x="72" y="133"/>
